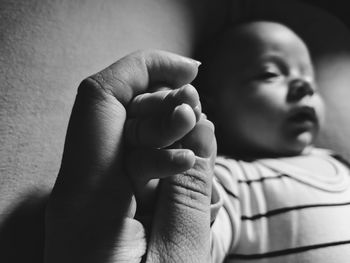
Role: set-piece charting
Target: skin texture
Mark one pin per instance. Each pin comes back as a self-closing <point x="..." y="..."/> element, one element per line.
<point x="90" y="213"/>
<point x="267" y="102"/>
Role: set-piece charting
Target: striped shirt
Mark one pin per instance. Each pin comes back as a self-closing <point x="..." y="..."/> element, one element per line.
<point x="272" y="210"/>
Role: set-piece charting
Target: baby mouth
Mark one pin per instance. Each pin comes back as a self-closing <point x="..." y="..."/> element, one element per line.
<point x="303" y="115"/>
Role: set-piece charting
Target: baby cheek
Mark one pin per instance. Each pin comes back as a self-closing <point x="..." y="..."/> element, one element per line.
<point x="266" y="108"/>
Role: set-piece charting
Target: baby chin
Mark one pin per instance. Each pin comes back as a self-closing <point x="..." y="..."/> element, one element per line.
<point x="301" y="142"/>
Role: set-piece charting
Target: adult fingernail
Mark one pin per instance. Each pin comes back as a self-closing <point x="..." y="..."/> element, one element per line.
<point x="195" y="62"/>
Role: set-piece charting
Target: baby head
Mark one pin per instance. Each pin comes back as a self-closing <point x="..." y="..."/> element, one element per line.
<point x="259" y="83"/>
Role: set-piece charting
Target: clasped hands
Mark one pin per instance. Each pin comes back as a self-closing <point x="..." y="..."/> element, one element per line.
<point x="134" y="149"/>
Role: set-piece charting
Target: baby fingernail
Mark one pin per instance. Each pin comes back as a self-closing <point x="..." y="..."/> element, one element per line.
<point x="180" y="108"/>
<point x="198" y="111"/>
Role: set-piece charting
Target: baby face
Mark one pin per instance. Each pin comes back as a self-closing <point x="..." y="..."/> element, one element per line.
<point x="267" y="97"/>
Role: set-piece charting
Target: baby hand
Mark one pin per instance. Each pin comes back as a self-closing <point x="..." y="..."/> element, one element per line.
<point x="156" y="124"/>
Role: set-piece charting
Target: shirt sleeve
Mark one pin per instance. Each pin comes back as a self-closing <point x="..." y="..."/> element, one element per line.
<point x="225" y="211"/>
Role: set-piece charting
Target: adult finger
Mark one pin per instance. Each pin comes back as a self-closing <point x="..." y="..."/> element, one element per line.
<point x="142" y="70"/>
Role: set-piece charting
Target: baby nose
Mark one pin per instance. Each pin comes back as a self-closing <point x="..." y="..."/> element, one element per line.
<point x="299" y="89"/>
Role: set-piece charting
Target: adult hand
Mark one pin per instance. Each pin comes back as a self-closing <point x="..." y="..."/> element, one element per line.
<point x="90" y="211"/>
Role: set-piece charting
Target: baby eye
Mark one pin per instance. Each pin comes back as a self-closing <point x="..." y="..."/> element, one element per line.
<point x="269" y="75"/>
